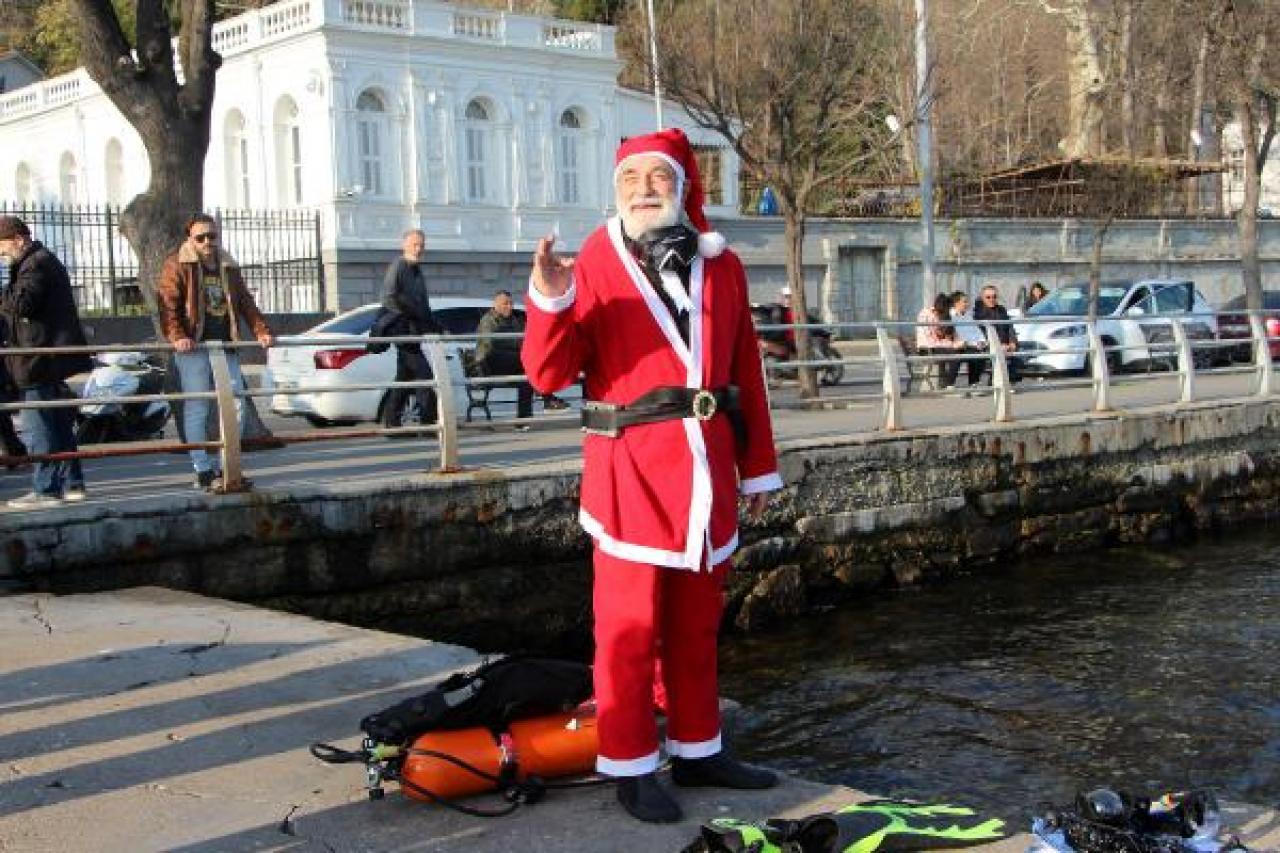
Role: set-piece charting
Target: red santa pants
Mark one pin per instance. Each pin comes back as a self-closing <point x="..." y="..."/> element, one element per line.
<point x="646" y="617"/>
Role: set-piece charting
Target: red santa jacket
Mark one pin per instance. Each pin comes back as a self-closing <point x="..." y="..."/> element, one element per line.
<point x="662" y="493"/>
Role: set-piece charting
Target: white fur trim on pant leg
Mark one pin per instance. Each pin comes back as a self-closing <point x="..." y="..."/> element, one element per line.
<point x="700" y="749"/>
<point x="764" y="483"/>
<point x="553" y="304"/>
<point x="712" y="244"/>
<point x="628" y="766"/>
<point x="725" y="551"/>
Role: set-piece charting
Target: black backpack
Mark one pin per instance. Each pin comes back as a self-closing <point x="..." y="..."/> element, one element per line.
<point x="492" y="696"/>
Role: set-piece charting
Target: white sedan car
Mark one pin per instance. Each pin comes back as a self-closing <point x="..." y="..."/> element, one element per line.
<point x="1135" y="317"/>
<point x="297" y="364"/>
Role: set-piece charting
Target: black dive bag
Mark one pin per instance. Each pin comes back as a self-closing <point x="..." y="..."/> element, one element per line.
<point x="492" y="695"/>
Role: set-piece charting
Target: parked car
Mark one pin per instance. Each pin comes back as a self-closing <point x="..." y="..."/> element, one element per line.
<point x="1233" y="323"/>
<point x="336" y="365"/>
<point x="1136" y="316"/>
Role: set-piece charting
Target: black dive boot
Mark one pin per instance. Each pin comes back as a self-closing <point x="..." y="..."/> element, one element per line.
<point x="720" y="771"/>
<point x="646" y="800"/>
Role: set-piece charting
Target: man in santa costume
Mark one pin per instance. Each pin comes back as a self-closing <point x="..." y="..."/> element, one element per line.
<point x="654" y="313"/>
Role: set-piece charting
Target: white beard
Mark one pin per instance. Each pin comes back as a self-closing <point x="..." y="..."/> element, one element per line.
<point x="639" y="222"/>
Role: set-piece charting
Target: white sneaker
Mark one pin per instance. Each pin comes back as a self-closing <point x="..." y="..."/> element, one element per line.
<point x="35" y="500"/>
<point x="75" y="494"/>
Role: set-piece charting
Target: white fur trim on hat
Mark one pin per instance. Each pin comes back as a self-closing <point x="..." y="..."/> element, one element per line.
<point x="712" y="244"/>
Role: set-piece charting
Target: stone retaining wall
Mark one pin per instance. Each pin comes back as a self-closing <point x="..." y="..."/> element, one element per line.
<point x="495" y="560"/>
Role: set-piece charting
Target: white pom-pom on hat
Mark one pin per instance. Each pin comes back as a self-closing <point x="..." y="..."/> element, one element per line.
<point x="711" y="244"/>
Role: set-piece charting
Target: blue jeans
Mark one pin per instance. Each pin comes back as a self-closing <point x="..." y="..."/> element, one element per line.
<point x="51" y="431"/>
<point x="195" y="375"/>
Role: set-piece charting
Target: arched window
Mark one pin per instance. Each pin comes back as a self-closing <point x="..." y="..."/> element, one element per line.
<point x="69" y="179"/>
<point x="476" y="136"/>
<point x="236" y="160"/>
<point x="113" y="168"/>
<point x="371" y="123"/>
<point x="23" y="186"/>
<point x="568" y="156"/>
<point x="288" y="134"/>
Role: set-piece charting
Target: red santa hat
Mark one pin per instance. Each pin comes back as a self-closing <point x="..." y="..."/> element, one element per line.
<point x="673" y="146"/>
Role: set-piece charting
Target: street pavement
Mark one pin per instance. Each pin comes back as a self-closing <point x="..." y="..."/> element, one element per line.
<point x="853" y="408"/>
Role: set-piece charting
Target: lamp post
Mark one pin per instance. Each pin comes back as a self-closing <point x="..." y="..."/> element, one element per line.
<point x="924" y="144"/>
<point x="653" y="57"/>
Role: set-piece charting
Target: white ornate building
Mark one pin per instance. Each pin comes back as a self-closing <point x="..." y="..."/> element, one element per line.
<point x="485" y="129"/>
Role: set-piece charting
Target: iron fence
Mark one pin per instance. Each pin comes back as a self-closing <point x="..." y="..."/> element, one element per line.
<point x="278" y="250"/>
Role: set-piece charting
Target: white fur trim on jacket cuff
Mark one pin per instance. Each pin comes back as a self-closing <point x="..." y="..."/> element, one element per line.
<point x="553" y="304"/>
<point x="701" y="749"/>
<point x="766" y="483"/>
<point x="628" y="766"/>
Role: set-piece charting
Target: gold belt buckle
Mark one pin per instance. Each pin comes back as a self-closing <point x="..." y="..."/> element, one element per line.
<point x="704" y="405"/>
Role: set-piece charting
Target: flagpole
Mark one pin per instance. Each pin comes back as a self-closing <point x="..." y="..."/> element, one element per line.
<point x="653" y="57"/>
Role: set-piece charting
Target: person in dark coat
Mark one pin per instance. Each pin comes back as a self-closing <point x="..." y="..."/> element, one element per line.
<point x="989" y="309"/>
<point x="404" y="295"/>
<point x="40" y="311"/>
<point x="12" y="444"/>
<point x="501" y="356"/>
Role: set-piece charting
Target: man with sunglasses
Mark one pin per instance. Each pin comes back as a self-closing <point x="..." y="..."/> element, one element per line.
<point x="990" y="309"/>
<point x="201" y="297"/>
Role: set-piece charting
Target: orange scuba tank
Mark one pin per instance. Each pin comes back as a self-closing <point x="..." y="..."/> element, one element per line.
<point x="470" y="761"/>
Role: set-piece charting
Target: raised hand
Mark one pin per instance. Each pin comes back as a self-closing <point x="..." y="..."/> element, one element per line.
<point x="552" y="274"/>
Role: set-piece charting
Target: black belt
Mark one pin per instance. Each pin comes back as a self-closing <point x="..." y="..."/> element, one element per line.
<point x="660" y="404"/>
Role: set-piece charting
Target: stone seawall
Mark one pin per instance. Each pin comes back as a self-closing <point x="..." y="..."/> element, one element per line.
<point x="495" y="559"/>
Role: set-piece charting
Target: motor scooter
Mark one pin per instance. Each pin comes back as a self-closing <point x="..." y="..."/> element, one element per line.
<point x="122" y="374"/>
<point x="777" y="346"/>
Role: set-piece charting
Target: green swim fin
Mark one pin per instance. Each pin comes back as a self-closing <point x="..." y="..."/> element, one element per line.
<point x="895" y="826"/>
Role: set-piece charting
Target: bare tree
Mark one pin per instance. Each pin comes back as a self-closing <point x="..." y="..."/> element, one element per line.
<point x="171" y="115"/>
<point x="1087" y="84"/>
<point x="798" y="90"/>
<point x="1249" y="26"/>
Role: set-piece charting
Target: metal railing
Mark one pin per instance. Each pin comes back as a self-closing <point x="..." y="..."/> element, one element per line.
<point x="1185" y="356"/>
<point x="888" y="366"/>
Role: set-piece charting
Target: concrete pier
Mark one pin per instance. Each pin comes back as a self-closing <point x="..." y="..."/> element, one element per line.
<point x="148" y="719"/>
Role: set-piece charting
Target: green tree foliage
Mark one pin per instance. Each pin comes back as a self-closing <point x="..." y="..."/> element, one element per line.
<point x="52" y="42"/>
<point x="600" y="11"/>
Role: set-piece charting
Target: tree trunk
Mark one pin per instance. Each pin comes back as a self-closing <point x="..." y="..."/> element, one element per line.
<point x="1196" y="127"/>
<point x="152" y="222"/>
<point x="1095" y="265"/>
<point x="1247" y="218"/>
<point x="1128" y="115"/>
<point x="793" y="221"/>
<point x="1086" y="82"/>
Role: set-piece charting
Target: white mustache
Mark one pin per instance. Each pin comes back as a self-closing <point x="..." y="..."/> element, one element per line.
<point x="661" y="201"/>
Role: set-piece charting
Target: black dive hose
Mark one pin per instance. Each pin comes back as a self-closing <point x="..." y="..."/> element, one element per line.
<point x="530" y="790"/>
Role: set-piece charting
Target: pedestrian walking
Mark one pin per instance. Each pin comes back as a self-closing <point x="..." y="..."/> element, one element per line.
<point x="408" y="312"/>
<point x="39" y="309"/>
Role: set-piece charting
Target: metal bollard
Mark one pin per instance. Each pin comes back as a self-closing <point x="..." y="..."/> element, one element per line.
<point x="446" y="407"/>
<point x="228" y="417"/>
<point x="1101" y="370"/>
<point x="1186" y="364"/>
<point x="1000" y="386"/>
<point x="891" y="415"/>
<point x="1261" y="355"/>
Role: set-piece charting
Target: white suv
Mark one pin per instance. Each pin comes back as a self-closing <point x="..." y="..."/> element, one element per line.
<point x="1137" y="316"/>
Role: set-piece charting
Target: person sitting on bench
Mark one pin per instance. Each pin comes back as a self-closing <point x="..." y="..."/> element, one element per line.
<point x="501" y="356"/>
